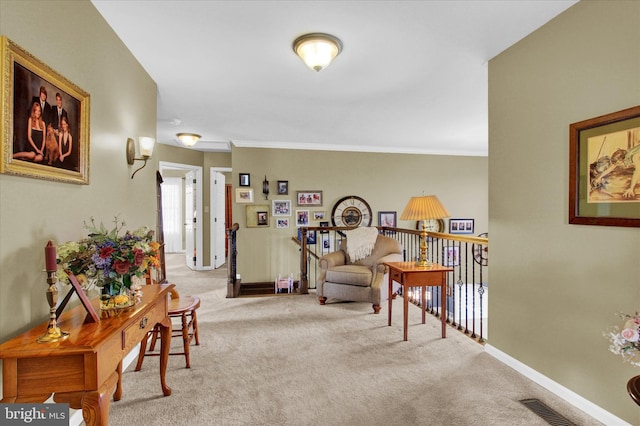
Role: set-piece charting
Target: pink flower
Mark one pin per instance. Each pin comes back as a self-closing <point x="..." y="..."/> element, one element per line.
<point x="630" y="335"/>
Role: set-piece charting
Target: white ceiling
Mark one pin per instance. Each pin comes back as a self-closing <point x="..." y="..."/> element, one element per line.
<point x="412" y="76"/>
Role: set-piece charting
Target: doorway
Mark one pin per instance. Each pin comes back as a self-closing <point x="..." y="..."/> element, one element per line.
<point x="183" y="211"/>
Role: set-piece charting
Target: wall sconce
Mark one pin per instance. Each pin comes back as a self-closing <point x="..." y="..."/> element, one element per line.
<point x="146" y="150"/>
<point x="265" y="188"/>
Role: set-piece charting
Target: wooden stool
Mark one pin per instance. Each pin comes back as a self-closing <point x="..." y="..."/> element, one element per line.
<point x="179" y="307"/>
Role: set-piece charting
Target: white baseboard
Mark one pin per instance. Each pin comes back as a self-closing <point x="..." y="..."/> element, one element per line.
<point x="75" y="416"/>
<point x="568" y="395"/>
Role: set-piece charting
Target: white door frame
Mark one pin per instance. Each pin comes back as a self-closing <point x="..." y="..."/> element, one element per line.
<point x="212" y="224"/>
<point x="166" y="165"/>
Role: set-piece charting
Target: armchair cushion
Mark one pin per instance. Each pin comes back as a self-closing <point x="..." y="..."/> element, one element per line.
<point x="351" y="274"/>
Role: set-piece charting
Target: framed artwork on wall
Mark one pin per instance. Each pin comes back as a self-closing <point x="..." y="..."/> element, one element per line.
<point x="282" y="222"/>
<point x="244" y="195"/>
<point x="604" y="170"/>
<point x="283" y="187"/>
<point x="309" y="198"/>
<point x="387" y="219"/>
<point x="281" y="207"/>
<point x="257" y="216"/>
<point x="45" y="125"/>
<point x="244" y="179"/>
<point x="461" y="226"/>
<point x="451" y="256"/>
<point x="302" y="217"/>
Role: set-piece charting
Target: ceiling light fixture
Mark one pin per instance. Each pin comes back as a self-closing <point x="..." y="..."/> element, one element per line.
<point x="317" y="50"/>
<point x="188" y="139"/>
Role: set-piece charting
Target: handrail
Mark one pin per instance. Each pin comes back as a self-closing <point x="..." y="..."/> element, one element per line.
<point x="233" y="284"/>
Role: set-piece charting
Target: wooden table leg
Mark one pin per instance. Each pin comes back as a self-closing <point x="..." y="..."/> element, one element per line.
<point x="405" y="302"/>
<point x="117" y="395"/>
<point x="391" y="297"/>
<point x="165" y="344"/>
<point x="424" y="304"/>
<point x="443" y="308"/>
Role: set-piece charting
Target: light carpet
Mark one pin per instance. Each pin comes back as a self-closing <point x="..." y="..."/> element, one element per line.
<point x="286" y="360"/>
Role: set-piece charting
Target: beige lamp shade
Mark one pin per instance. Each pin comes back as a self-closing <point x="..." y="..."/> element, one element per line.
<point x="146" y="146"/>
<point x="425" y="207"/>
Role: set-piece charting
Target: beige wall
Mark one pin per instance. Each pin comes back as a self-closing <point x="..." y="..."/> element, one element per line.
<point x="385" y="181"/>
<point x="122" y="105"/>
<point x="556" y="287"/>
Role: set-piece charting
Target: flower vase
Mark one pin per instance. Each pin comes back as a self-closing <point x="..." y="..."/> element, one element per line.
<point x="116" y="296"/>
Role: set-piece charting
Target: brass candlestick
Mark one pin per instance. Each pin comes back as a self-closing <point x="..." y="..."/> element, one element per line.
<point x="53" y="333"/>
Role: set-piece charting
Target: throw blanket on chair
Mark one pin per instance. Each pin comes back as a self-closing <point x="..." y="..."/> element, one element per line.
<point x="360" y="242"/>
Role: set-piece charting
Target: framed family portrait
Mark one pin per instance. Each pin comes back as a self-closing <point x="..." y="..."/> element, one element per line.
<point x="302" y="217"/>
<point x="604" y="170"/>
<point x="281" y="207"/>
<point x="45" y="125"/>
<point x="282" y="222"/>
<point x="309" y="198"/>
<point x="387" y="219"/>
<point x="461" y="226"/>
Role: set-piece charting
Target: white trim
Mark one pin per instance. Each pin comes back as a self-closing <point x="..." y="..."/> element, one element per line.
<point x="568" y="395"/>
<point x="212" y="224"/>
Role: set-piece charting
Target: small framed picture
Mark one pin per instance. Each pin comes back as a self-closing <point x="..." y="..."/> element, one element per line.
<point x="318" y="215"/>
<point x="387" y="219"/>
<point x="311" y="237"/>
<point x="451" y="256"/>
<point x="324" y="225"/>
<point x="281" y="207"/>
<point x="263" y="218"/>
<point x="302" y="217"/>
<point x="283" y="187"/>
<point x="282" y="223"/>
<point x="244" y="195"/>
<point x="309" y="198"/>
<point x="245" y="179"/>
<point x="461" y="226"/>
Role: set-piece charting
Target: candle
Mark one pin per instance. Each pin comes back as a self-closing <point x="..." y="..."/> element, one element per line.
<point x="50" y="257"/>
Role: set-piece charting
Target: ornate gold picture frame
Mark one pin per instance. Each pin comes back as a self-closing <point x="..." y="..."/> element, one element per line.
<point x="45" y="125"/>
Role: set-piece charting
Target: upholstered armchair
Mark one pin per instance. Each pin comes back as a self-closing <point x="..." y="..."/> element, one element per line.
<point x="361" y="280"/>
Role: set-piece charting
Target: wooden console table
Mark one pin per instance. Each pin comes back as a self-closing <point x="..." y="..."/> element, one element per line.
<point x="84" y="369"/>
<point x="407" y="274"/>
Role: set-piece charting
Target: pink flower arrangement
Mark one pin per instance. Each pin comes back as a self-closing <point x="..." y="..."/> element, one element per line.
<point x="626" y="341"/>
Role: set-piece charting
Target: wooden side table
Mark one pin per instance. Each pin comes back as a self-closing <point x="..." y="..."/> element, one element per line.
<point x="407" y="274"/>
<point x="85" y="369"/>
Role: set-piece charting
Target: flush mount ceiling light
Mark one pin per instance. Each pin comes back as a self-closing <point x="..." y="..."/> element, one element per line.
<point x="317" y="50"/>
<point x="188" y="139"/>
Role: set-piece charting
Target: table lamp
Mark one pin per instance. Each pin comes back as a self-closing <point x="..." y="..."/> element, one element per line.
<point x="424" y="208"/>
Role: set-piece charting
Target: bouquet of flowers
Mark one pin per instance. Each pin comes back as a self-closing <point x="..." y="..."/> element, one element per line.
<point x="113" y="260"/>
<point x="626" y="341"/>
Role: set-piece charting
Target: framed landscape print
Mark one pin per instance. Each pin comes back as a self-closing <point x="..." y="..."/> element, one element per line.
<point x="244" y="195"/>
<point x="604" y="170"/>
<point x="45" y="125"/>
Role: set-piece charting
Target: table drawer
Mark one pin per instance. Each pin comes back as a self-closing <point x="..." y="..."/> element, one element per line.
<point x="395" y="275"/>
<point x="143" y="323"/>
<point x="427" y="279"/>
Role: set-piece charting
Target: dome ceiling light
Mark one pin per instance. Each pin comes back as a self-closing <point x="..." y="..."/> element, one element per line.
<point x="317" y="50"/>
<point x="188" y="139"/>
